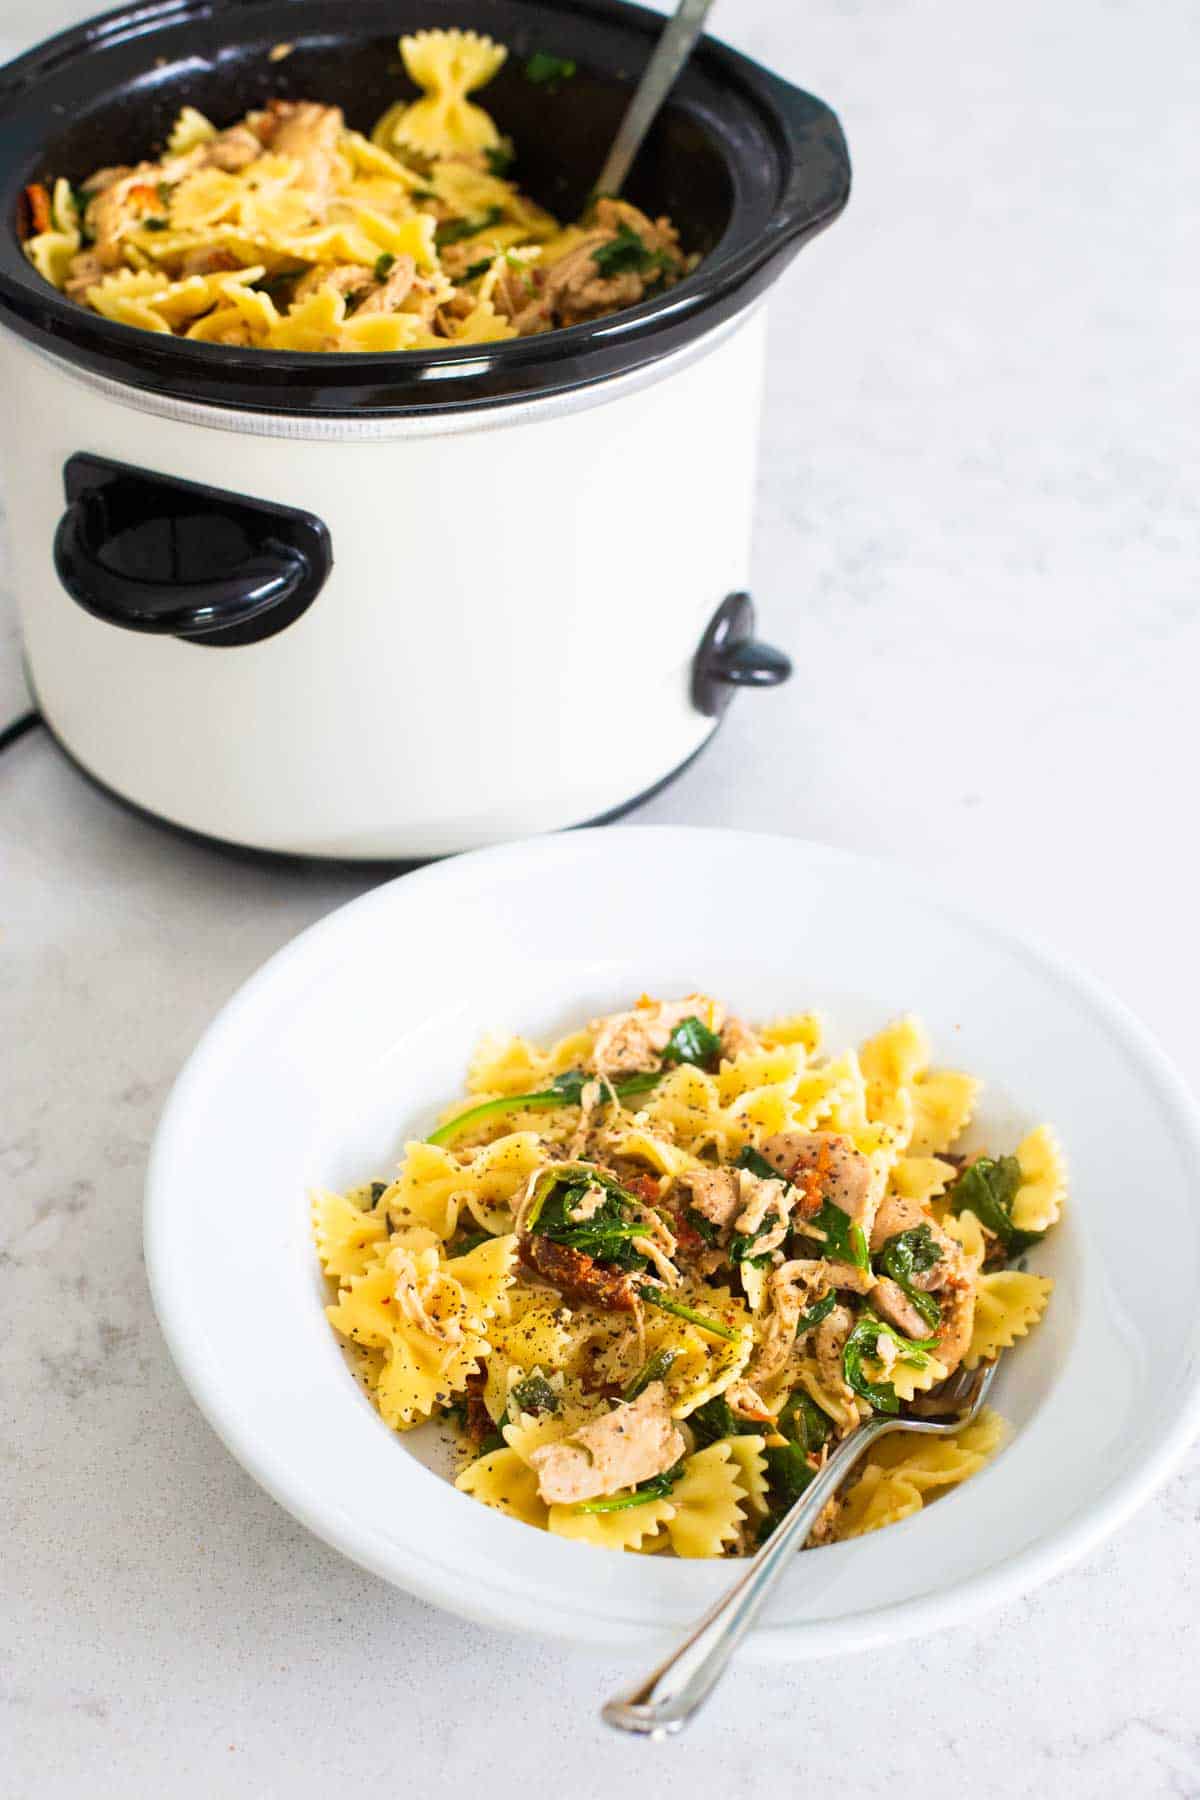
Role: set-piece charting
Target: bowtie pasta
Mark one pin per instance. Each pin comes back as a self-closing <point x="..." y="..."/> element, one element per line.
<point x="289" y="231"/>
<point x="653" y="1273"/>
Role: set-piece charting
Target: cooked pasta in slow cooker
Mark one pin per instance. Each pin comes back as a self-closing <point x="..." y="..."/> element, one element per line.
<point x="289" y="231"/>
<point x="654" y="1273"/>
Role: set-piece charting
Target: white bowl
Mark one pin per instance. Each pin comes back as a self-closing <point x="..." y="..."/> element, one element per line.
<point x="349" y="1039"/>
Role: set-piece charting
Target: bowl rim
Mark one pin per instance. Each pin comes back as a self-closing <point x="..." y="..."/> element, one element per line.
<point x="771" y="1641"/>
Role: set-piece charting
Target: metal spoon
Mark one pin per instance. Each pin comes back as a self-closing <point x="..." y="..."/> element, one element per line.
<point x="675" y="1691"/>
<point x="672" y="51"/>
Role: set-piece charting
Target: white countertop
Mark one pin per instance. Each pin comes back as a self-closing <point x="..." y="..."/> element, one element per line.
<point x="977" y="536"/>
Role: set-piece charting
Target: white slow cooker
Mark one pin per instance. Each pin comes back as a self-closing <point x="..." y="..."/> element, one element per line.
<point x="393" y="606"/>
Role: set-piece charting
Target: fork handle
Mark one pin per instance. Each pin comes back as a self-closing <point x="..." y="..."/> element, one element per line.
<point x="674" y="1692"/>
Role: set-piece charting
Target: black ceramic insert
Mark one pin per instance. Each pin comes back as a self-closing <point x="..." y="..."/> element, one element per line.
<point x="749" y="168"/>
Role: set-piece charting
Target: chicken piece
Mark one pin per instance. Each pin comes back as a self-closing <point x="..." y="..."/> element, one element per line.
<point x="824" y="1166"/>
<point x="630" y="1042"/>
<point x="100" y="179"/>
<point x="208" y="260"/>
<point x="576" y="287"/>
<point x="737" y="1039"/>
<point x="83" y="272"/>
<point x="714" y="1193"/>
<point x="957" y="1301"/>
<point x="828" y="1344"/>
<point x="120" y="206"/>
<point x="390" y="294"/>
<point x="766" y="1211"/>
<point x="232" y="150"/>
<point x="343" y="278"/>
<point x="577" y="1275"/>
<point x="892" y="1303"/>
<point x="310" y="133"/>
<point x="625" y="1447"/>
<point x="896" y="1215"/>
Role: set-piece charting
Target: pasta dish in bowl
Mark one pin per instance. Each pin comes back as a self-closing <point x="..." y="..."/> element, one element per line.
<point x="653" y="1273"/>
<point x="287" y="230"/>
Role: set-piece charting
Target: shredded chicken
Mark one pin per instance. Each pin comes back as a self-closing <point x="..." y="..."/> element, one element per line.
<point x="391" y="293"/>
<point x="631" y="1042"/>
<point x="765" y="1211"/>
<point x="310" y="133"/>
<point x="828" y="1344"/>
<point x="417" y="1299"/>
<point x="737" y="1039"/>
<point x="713" y="1193"/>
<point x="576" y="288"/>
<point x="951" y="1279"/>
<point x="85" y="271"/>
<point x="824" y="1166"/>
<point x="893" y="1304"/>
<point x="233" y="150"/>
<point x="625" y="1447"/>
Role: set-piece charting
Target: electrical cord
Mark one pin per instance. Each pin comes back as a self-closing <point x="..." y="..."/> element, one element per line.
<point x="13" y="733"/>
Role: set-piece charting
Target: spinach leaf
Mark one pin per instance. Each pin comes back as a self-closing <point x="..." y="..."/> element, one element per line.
<point x="655" y="1368"/>
<point x="533" y="1395"/>
<point x="987" y="1187"/>
<point x="378" y="1190"/>
<point x="802" y="1421"/>
<point x="843" y="1240"/>
<point x="704" y="1228"/>
<point x="564" y="1090"/>
<point x="500" y="158"/>
<point x="691" y="1041"/>
<point x="864" y="1341"/>
<point x="471" y="1240"/>
<point x="606" y="1235"/>
<point x="384" y="263"/>
<point x="788" y="1473"/>
<point x="545" y="70"/>
<point x="813" y="1315"/>
<point x="908" y="1254"/>
<point x="657" y="1487"/>
<point x="454" y="230"/>
<point x="627" y="253"/>
<point x="716" y="1419"/>
<point x="656" y="1297"/>
<point x="756" y="1162"/>
<point x="477" y="268"/>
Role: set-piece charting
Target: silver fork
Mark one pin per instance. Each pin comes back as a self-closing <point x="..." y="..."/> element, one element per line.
<point x="671" y="1695"/>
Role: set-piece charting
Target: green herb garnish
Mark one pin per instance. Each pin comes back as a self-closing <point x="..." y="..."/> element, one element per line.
<point x="628" y="253"/>
<point x="545" y="70"/>
<point x="903" y="1257"/>
<point x="500" y="158"/>
<point x="463" y="1246"/>
<point x="987" y="1187"/>
<point x="384" y="263"/>
<point x="154" y="224"/>
<point x="477" y="268"/>
<point x="655" y="1368"/>
<point x="164" y="192"/>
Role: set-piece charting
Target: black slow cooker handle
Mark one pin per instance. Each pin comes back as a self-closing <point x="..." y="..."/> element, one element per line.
<point x="151" y="553"/>
<point x="730" y="657"/>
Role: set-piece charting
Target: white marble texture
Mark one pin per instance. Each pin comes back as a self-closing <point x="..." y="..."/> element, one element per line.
<point x="977" y="534"/>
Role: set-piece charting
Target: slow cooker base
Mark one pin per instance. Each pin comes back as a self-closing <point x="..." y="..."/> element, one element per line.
<point x="286" y="859"/>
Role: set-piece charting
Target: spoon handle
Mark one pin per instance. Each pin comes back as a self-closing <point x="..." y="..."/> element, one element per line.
<point x="671" y="52"/>
<point x="673" y="1693"/>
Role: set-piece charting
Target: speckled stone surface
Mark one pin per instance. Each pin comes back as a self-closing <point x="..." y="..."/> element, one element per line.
<point x="977" y="536"/>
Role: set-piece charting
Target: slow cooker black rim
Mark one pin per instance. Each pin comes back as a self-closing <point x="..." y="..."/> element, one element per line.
<point x="811" y="187"/>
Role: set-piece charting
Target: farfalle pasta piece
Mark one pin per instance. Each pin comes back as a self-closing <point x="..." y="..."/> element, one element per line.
<point x="190" y="129"/>
<point x="802" y="1029"/>
<point x="943" y="1102"/>
<point x="708" y="1503"/>
<point x="879" y="1497"/>
<point x="449" y="65"/>
<point x="51" y="250"/>
<point x="1038" y="1202"/>
<point x="347" y="1237"/>
<point x="1008" y="1303"/>
<point x="904" y="1471"/>
<point x="750" y="1468"/>
<point x="921" y="1178"/>
<point x="626" y="1529"/>
<point x="504" y="1481"/>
